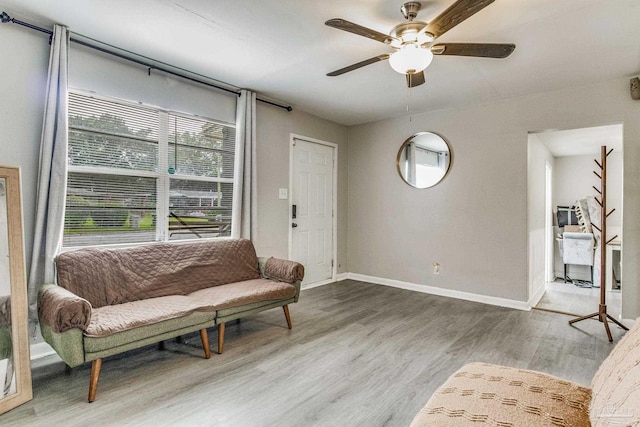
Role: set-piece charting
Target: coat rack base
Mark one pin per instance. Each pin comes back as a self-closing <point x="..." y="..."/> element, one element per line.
<point x="602" y="316"/>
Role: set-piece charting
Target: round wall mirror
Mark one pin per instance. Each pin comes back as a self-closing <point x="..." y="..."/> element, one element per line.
<point x="424" y="160"/>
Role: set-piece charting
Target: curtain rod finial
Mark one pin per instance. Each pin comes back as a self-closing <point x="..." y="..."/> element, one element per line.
<point x="4" y="17"/>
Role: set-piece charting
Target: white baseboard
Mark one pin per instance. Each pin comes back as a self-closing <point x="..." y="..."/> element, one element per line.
<point x="537" y="296"/>
<point x="316" y="284"/>
<point x="339" y="277"/>
<point x="433" y="290"/>
<point x="40" y="350"/>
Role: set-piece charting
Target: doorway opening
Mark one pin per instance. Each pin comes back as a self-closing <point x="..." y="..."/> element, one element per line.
<point x="562" y="195"/>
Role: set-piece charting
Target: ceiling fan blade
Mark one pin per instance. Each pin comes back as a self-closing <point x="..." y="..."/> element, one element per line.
<point x="455" y="14"/>
<point x="415" y="79"/>
<point x="483" y="50"/>
<point x="359" y="65"/>
<point x="343" y="25"/>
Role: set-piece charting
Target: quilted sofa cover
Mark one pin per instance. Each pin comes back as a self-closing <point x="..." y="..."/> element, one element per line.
<point x="115" y="276"/>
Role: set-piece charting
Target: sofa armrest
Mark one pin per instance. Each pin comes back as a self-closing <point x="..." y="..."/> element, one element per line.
<point x="62" y="310"/>
<point x="283" y="270"/>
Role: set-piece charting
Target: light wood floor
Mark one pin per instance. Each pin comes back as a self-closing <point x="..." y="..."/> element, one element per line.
<point x="358" y="355"/>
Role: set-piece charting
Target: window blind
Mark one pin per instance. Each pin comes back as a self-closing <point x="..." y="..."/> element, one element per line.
<point x="141" y="174"/>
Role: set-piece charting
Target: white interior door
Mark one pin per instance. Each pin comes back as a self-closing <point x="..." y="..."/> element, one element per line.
<point x="312" y="173"/>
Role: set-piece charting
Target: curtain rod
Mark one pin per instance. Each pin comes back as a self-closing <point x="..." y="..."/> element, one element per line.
<point x="5" y="18"/>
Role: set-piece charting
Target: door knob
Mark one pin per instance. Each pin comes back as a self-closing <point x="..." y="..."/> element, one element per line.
<point x="294" y="225"/>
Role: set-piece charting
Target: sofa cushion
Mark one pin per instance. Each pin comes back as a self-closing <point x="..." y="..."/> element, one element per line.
<point x="482" y="394"/>
<point x="112" y="319"/>
<point x="115" y="276"/>
<point x="97" y="347"/>
<point x="616" y="384"/>
<point x="242" y="293"/>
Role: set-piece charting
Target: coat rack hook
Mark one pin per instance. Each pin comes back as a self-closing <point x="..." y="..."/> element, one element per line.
<point x="611" y="239"/>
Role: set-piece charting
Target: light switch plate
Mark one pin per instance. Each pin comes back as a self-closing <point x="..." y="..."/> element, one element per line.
<point x="283" y="194"/>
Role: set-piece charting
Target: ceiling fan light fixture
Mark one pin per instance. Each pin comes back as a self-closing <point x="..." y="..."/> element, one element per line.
<point x="410" y="58"/>
<point x="424" y="37"/>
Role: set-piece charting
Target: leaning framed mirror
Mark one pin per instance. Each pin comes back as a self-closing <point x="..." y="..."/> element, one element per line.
<point x="15" y="370"/>
<point x="424" y="159"/>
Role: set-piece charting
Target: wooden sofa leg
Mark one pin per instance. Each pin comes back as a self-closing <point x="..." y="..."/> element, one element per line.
<point x="286" y="314"/>
<point x="95" y="374"/>
<point x="205" y="343"/>
<point x="220" y="337"/>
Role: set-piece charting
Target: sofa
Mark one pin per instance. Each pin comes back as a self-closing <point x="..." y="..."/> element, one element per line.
<point x="481" y="394"/>
<point x="108" y="301"/>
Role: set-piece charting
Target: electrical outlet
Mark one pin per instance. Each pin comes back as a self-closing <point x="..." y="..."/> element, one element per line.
<point x="436" y="268"/>
<point x="283" y="194"/>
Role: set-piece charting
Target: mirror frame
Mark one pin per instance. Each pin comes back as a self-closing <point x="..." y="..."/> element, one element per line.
<point x="19" y="305"/>
<point x="407" y="141"/>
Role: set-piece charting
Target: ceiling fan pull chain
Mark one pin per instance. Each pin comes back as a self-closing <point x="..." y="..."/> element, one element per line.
<point x="409" y="98"/>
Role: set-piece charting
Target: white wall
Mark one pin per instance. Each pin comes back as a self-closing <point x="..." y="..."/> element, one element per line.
<point x="475" y="222"/>
<point x="574" y="179"/>
<point x="5" y="267"/>
<point x="274" y="127"/>
<point x="538" y="158"/>
<point x="24" y="76"/>
<point x="105" y="74"/>
<point x="21" y="111"/>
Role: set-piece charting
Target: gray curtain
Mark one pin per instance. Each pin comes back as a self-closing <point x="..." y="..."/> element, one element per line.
<point x="244" y="221"/>
<point x="52" y="175"/>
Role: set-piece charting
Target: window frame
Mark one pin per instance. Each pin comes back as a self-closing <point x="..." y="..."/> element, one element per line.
<point x="162" y="176"/>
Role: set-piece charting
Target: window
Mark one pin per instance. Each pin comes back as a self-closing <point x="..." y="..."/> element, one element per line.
<point x="141" y="174"/>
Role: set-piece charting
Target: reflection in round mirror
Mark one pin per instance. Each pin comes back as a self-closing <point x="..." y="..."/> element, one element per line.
<point x="424" y="160"/>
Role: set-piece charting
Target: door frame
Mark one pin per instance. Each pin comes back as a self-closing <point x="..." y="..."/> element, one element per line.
<point x="549" y="249"/>
<point x="334" y="203"/>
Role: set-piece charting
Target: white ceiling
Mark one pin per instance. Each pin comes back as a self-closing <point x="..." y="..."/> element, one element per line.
<point x="283" y="50"/>
<point x="582" y="142"/>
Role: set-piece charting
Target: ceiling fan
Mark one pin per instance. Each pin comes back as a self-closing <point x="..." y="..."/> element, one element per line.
<point x="414" y="41"/>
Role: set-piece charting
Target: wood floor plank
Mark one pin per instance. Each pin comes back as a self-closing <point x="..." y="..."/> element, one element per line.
<point x="359" y="354"/>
